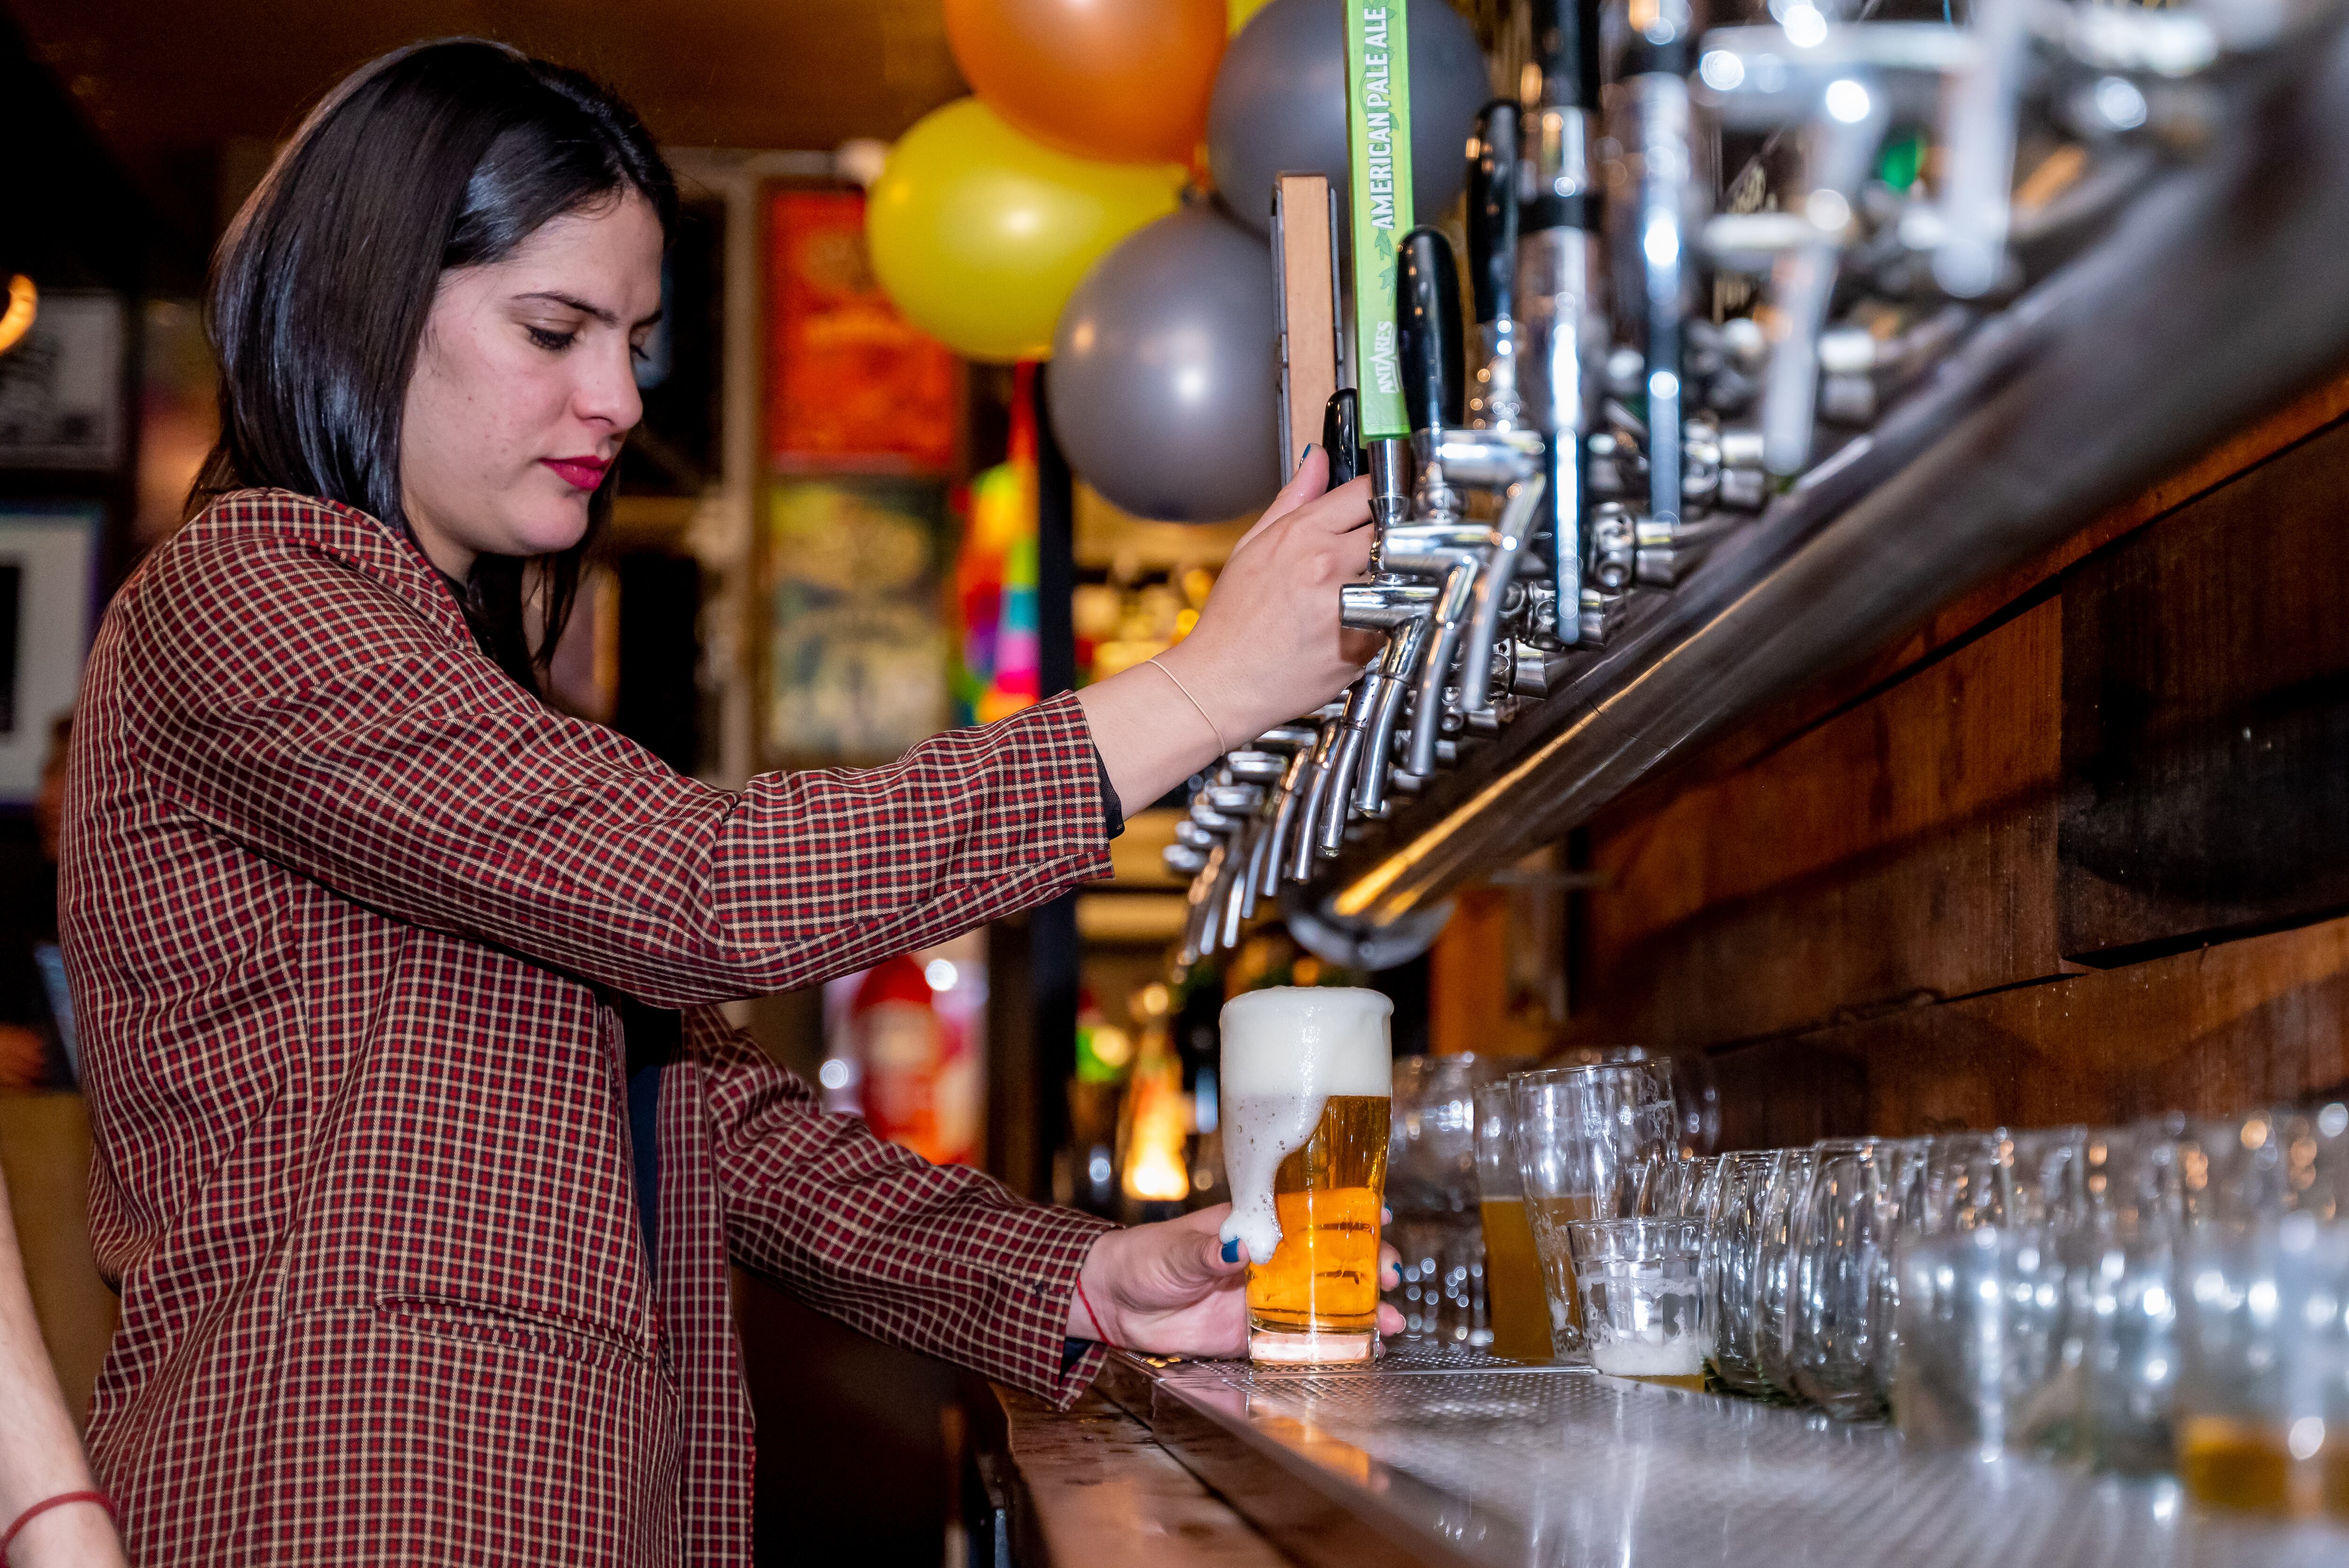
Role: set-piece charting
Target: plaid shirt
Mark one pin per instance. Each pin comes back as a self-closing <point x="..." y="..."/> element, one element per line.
<point x="344" y="910"/>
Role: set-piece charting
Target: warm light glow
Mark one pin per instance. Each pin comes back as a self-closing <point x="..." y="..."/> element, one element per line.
<point x="1155" y="1170"/>
<point x="1114" y="1047"/>
<point x="1156" y="1174"/>
<point x="24" y="302"/>
<point x="1158" y="1125"/>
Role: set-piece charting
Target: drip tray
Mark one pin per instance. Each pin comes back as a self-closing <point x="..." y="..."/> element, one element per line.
<point x="1450" y="1457"/>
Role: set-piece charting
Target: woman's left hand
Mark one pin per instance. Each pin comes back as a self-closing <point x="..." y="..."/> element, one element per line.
<point x="1165" y="1288"/>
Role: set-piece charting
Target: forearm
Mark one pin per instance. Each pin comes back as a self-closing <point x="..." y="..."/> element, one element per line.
<point x="40" y="1456"/>
<point x="937" y="1259"/>
<point x="1148" y="734"/>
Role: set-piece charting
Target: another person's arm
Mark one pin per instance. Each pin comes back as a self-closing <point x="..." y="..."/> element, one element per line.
<point x="40" y="1457"/>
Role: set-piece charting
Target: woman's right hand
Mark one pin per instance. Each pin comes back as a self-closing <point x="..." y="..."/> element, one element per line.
<point x="1269" y="646"/>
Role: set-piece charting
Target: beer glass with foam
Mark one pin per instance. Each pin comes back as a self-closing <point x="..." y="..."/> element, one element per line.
<point x="1306" y="1075"/>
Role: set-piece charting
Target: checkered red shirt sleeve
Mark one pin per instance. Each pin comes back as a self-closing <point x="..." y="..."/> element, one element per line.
<point x="361" y="749"/>
<point x="938" y="1258"/>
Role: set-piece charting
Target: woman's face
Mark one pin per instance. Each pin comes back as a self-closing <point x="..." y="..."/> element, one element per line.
<point x="525" y="383"/>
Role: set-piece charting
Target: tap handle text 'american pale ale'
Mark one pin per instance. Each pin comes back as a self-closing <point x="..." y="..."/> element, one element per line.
<point x="1307" y="1076"/>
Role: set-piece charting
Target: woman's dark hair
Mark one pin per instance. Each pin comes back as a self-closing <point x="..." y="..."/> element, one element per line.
<point x="438" y="155"/>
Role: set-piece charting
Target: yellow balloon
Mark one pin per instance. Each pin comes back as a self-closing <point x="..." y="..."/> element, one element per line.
<point x="980" y="235"/>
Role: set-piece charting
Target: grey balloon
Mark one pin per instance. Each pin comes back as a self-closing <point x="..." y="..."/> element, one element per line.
<point x="1164" y="378"/>
<point x="1279" y="104"/>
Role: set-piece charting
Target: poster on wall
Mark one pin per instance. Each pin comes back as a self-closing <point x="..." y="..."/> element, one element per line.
<point x="854" y="656"/>
<point x="61" y="387"/>
<point x="48" y="575"/>
<point x="850" y="381"/>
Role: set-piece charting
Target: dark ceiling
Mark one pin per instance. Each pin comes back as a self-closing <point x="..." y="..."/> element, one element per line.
<point x="173" y="89"/>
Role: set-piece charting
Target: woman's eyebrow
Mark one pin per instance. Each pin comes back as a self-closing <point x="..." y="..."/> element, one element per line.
<point x="573" y="302"/>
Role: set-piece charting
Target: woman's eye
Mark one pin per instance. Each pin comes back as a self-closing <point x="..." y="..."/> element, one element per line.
<point x="552" y="341"/>
<point x="640" y="352"/>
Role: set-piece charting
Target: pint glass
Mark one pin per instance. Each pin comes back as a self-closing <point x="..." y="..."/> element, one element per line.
<point x="1589" y="1141"/>
<point x="1306" y="1081"/>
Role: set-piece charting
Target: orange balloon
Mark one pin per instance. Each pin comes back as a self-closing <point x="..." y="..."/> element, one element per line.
<point x="1125" y="80"/>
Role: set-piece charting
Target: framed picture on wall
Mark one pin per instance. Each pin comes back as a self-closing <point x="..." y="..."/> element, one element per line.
<point x="61" y="387"/>
<point x="851" y="382"/>
<point x="49" y="584"/>
<point x="853" y="652"/>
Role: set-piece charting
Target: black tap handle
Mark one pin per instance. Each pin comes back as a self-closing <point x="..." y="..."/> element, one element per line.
<point x="1427" y="305"/>
<point x="1493" y="212"/>
<point x="1341" y="436"/>
<point x="1565" y="48"/>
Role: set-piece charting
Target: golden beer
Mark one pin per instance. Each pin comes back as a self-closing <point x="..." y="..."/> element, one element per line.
<point x="2229" y="1463"/>
<point x="1693" y="1381"/>
<point x="1324" y="1277"/>
<point x="1307" y="1087"/>
<point x="1512" y="1283"/>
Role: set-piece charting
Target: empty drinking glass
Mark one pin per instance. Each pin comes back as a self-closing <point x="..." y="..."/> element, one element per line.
<point x="1963" y="1184"/>
<point x="1774" y="1281"/>
<point x="1520" y="1311"/>
<point x="1979" y="1312"/>
<point x="1589" y="1142"/>
<point x="1646" y="1313"/>
<point x="2126" y="1297"/>
<point x="1740" y="1199"/>
<point x="1840" y="1250"/>
<point x="1682" y="1188"/>
<point x="1432" y="1189"/>
<point x="1903" y="1162"/>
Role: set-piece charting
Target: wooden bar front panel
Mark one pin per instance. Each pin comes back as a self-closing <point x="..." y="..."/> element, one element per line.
<point x="2075" y="852"/>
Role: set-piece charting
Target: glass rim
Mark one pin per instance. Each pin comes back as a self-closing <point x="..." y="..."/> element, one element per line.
<point x="1639" y="1226"/>
<point x="1560" y="1075"/>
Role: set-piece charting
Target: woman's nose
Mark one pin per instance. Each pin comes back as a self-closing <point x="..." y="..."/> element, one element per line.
<point x="607" y="395"/>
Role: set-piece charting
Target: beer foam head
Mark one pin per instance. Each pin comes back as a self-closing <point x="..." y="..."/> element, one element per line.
<point x="1286" y="1051"/>
<point x="1310" y="1040"/>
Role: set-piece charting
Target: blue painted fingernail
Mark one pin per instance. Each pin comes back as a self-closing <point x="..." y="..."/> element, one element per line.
<point x="1232" y="1250"/>
<point x="1311" y="448"/>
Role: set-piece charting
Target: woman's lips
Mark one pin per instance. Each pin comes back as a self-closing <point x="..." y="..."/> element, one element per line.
<point x="582" y="473"/>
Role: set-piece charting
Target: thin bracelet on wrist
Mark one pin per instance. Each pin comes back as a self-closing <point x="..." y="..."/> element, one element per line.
<point x="1213" y="727"/>
<point x="8" y="1537"/>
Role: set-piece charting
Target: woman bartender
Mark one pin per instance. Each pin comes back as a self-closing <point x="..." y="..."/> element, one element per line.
<point x="348" y="910"/>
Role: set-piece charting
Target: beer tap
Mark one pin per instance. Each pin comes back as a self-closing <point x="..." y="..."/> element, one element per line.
<point x="1437" y="543"/>
<point x="1493" y="266"/>
<point x="1519" y="514"/>
<point x="1317" y="786"/>
<point x="1978" y="139"/>
<point x="1557" y="273"/>
<point x="1428" y="346"/>
<point x="1839" y="143"/>
<point x="1300" y="741"/>
<point x="1402" y="609"/>
<point x="1656" y="67"/>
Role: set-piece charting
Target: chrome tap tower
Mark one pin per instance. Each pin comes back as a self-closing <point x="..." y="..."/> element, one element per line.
<point x="1726" y="282"/>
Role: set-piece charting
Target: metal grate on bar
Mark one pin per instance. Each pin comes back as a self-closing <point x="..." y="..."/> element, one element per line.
<point x="1520" y="1467"/>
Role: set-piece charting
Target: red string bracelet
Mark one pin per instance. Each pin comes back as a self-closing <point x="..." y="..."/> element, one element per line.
<point x="100" y="1498"/>
<point x="1099" y="1331"/>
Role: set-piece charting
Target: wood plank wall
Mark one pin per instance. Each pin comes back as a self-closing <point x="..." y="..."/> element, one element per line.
<point x="2077" y="850"/>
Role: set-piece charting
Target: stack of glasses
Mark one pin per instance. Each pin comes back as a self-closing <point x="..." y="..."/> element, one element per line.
<point x="2172" y="1294"/>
